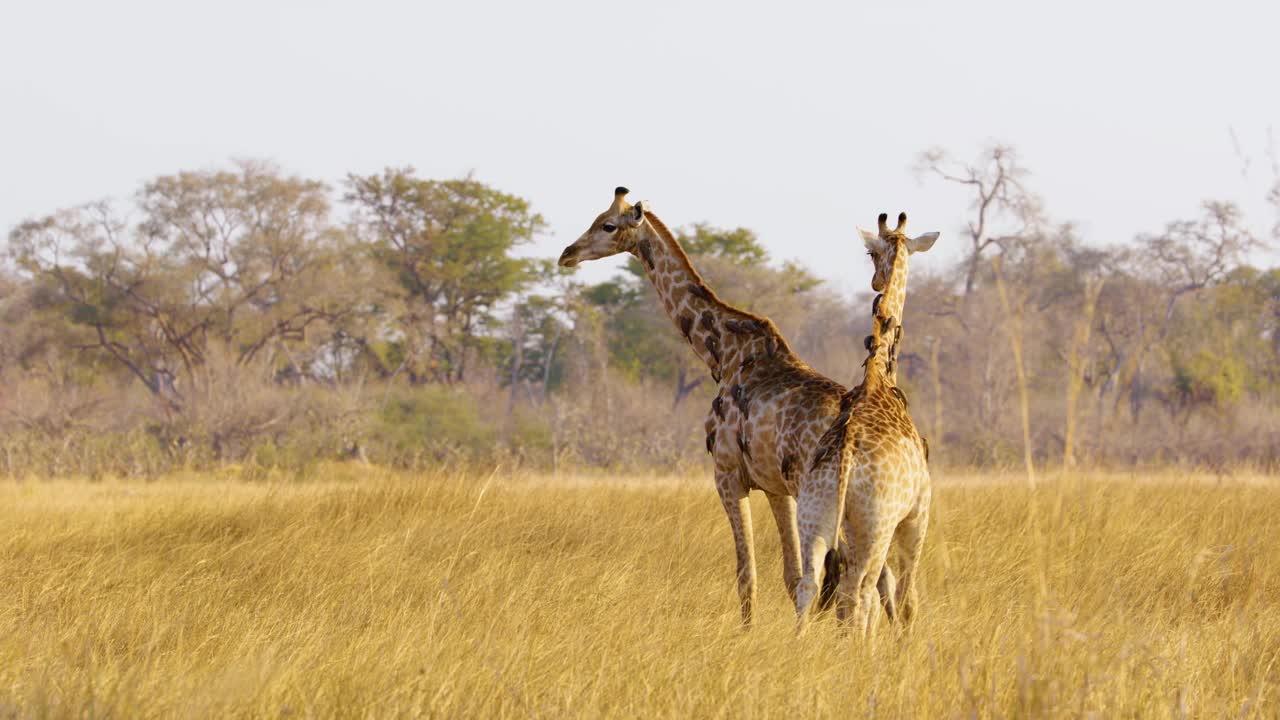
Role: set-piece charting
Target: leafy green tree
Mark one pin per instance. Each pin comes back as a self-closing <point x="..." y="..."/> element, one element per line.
<point x="537" y="328"/>
<point x="446" y="249"/>
<point x="739" y="246"/>
<point x="1220" y="348"/>
<point x="1269" y="286"/>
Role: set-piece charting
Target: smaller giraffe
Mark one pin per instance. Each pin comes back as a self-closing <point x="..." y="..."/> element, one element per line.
<point x="887" y="501"/>
<point x="890" y="280"/>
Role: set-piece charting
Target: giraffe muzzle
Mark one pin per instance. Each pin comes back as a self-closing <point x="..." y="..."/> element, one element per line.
<point x="569" y="258"/>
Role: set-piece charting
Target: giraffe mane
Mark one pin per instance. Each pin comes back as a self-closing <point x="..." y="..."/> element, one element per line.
<point x="876" y="369"/>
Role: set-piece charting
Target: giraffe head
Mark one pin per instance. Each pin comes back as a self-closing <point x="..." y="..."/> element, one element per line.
<point x="886" y="246"/>
<point x="613" y="231"/>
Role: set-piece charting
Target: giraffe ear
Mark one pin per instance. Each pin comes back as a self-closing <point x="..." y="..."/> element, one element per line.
<point x="922" y="243"/>
<point x="635" y="216"/>
<point x="872" y="240"/>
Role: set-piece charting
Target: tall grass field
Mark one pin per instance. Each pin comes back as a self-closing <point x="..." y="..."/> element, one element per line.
<point x="367" y="593"/>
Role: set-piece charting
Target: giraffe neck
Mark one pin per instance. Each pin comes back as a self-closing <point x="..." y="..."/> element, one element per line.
<point x="876" y="372"/>
<point x="891" y="305"/>
<point x="722" y="336"/>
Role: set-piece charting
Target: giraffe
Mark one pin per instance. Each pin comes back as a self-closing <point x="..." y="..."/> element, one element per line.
<point x="769" y="411"/>
<point x="888" y="495"/>
<point x="770" y="408"/>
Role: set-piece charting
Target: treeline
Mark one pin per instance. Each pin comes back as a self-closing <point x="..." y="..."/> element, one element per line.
<point x="253" y="317"/>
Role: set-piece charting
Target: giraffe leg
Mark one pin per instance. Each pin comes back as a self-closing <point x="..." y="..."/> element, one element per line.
<point x="887" y="587"/>
<point x="869" y="532"/>
<point x="734" y="498"/>
<point x="867" y="604"/>
<point x="865" y="579"/>
<point x="910" y="538"/>
<point x="784" y="514"/>
<point x="816" y="511"/>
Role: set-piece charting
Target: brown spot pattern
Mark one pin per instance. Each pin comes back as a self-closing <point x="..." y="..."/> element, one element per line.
<point x="740" y="398"/>
<point x="818" y="457"/>
<point x="708" y="322"/>
<point x="712" y="344"/>
<point x="742" y="327"/>
<point x="686" y="327"/>
<point x="646" y="252"/>
<point x="700" y="291"/>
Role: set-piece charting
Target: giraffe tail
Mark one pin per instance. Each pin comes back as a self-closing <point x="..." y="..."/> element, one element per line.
<point x="833" y="569"/>
<point x="838" y="440"/>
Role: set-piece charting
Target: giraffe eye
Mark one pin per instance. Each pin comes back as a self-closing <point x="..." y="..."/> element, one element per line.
<point x="609" y="227"/>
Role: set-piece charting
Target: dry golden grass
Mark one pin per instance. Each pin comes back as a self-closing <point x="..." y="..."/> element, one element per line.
<point x="367" y="593"/>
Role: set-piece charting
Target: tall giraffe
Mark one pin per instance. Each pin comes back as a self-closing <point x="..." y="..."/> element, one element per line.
<point x="889" y="491"/>
<point x="770" y="407"/>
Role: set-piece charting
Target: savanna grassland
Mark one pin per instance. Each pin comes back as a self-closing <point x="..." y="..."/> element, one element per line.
<point x="361" y="592"/>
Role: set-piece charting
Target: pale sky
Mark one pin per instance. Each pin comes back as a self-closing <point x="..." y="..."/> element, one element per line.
<point x="798" y="120"/>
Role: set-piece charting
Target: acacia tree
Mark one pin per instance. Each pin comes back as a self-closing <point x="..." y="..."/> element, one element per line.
<point x="10" y="337"/>
<point x="240" y="260"/>
<point x="536" y="329"/>
<point x="1008" y="230"/>
<point x="1273" y="197"/>
<point x="1004" y="209"/>
<point x="1183" y="260"/>
<point x="445" y="248"/>
<point x="1191" y="255"/>
<point x="1269" y="286"/>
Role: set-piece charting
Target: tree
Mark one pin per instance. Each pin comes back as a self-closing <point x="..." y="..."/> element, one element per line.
<point x="1269" y="286"/>
<point x="999" y="199"/>
<point x="739" y="246"/>
<point x="1183" y="260"/>
<point x="242" y="259"/>
<point x="1221" y="348"/>
<point x="536" y="330"/>
<point x="1191" y="255"/>
<point x="10" y="336"/>
<point x="445" y="247"/>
